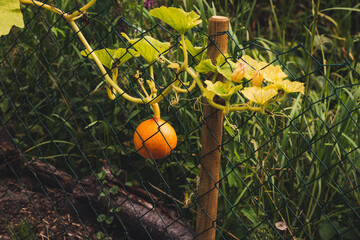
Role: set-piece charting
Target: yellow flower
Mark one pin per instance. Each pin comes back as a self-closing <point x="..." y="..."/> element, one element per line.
<point x="259" y="95"/>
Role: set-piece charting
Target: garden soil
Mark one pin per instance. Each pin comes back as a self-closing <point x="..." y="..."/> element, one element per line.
<point x="38" y="200"/>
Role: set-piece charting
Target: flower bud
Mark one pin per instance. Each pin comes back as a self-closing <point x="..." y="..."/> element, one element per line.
<point x="257" y="79"/>
<point x="238" y="73"/>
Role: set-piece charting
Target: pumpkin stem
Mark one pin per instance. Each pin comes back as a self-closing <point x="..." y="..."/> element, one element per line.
<point x="156" y="111"/>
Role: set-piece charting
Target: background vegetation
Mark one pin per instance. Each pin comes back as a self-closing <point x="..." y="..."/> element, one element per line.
<point x="298" y="166"/>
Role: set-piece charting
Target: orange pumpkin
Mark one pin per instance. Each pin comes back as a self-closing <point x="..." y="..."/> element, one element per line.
<point x="155" y="137"/>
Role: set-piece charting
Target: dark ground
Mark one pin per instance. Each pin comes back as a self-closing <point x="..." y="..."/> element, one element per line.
<point x="43" y="202"/>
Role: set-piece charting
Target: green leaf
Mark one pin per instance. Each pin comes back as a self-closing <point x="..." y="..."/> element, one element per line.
<point x="100" y="235"/>
<point x="114" y="210"/>
<point x="114" y="190"/>
<point x="107" y="56"/>
<point x="198" y="52"/>
<point x="221" y="59"/>
<point x="10" y="15"/>
<point x="226" y="70"/>
<point x="123" y="55"/>
<point x="101" y="218"/>
<point x="109" y="220"/>
<point x="177" y="18"/>
<point x="326" y="230"/>
<point x="101" y="175"/>
<point x="205" y="66"/>
<point x="250" y="214"/>
<point x="231" y="172"/>
<point x="208" y="94"/>
<point x="148" y="47"/>
<point x="225" y="66"/>
<point x="223" y="90"/>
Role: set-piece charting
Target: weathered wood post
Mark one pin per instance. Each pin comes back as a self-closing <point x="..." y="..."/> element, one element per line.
<point x="211" y="141"/>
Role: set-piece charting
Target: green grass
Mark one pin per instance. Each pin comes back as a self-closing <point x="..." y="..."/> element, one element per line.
<point x="298" y="166"/>
<point x="24" y="230"/>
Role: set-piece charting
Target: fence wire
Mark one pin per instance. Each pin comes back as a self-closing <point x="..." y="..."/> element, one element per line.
<point x="69" y="169"/>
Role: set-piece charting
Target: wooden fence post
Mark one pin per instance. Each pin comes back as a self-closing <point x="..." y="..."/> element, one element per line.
<point x="211" y="141"/>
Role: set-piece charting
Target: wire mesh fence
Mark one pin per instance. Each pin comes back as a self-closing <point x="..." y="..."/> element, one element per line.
<point x="69" y="169"/>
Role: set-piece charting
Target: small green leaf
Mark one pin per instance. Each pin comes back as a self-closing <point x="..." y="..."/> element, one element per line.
<point x="10" y="15"/>
<point x="177" y="18"/>
<point x="232" y="177"/>
<point x="221" y="59"/>
<point x="205" y="66"/>
<point x="107" y="56"/>
<point x="208" y="94"/>
<point x="101" y="218"/>
<point x="101" y="175"/>
<point x="114" y="210"/>
<point x="109" y="220"/>
<point x="225" y="66"/>
<point x="114" y="190"/>
<point x="198" y="52"/>
<point x="100" y="235"/>
<point x="227" y="69"/>
<point x="148" y="47"/>
<point x="250" y="214"/>
<point x="223" y="90"/>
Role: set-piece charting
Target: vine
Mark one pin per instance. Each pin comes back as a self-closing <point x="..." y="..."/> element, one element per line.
<point x="246" y="76"/>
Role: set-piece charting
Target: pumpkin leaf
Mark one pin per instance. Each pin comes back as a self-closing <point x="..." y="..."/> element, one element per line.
<point x="259" y="95"/>
<point x="206" y="66"/>
<point x="221" y="59"/>
<point x="289" y="86"/>
<point x="208" y="94"/>
<point x="107" y="56"/>
<point x="227" y="69"/>
<point x="177" y="18"/>
<point x="124" y="55"/>
<point x="198" y="52"/>
<point x="273" y="74"/>
<point x="225" y="66"/>
<point x="148" y="47"/>
<point x="223" y="90"/>
<point x="10" y="15"/>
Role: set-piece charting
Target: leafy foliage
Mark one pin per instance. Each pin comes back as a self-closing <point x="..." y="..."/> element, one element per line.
<point x="10" y="15"/>
<point x="148" y="47"/>
<point x="177" y="18"/>
<point x="108" y="56"/>
<point x="223" y="90"/>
